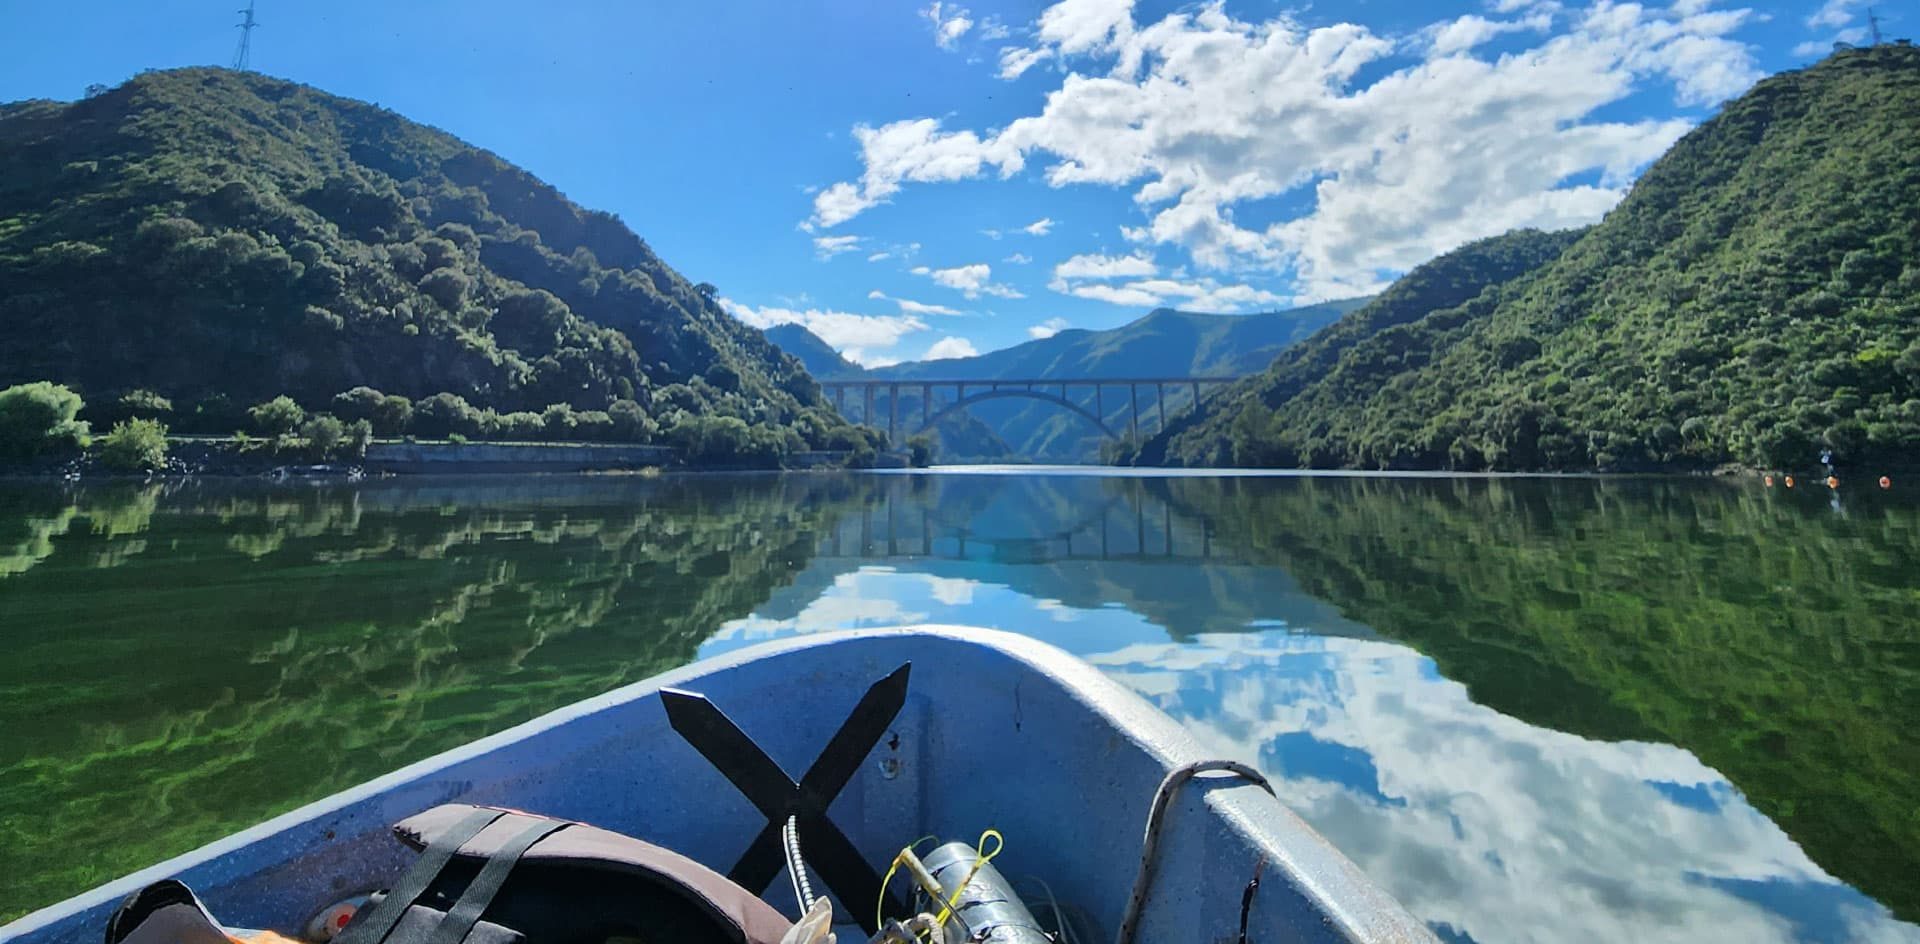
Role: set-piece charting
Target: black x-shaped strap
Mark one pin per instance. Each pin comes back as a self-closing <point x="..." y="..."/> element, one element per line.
<point x="775" y="794"/>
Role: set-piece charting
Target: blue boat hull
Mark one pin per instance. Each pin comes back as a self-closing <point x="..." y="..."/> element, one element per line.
<point x="998" y="731"/>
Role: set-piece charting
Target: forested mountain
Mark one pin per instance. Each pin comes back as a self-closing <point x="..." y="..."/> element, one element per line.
<point x="1754" y="299"/>
<point x="1164" y="343"/>
<point x="221" y="237"/>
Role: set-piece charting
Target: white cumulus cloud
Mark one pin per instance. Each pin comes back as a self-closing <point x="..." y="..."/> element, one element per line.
<point x="948" y="348"/>
<point x="1200" y="113"/>
<point x="863" y="339"/>
<point x="972" y="281"/>
<point x="1095" y="266"/>
<point x="1038" y="227"/>
<point x="1047" y="328"/>
<point x="826" y="247"/>
<point x="949" y="23"/>
<point x="910" y="307"/>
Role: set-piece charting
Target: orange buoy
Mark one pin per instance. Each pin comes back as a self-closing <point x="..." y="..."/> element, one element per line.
<point x="1769" y="481"/>
<point x="1789" y="481"/>
<point x="1832" y="482"/>
<point x="1886" y="482"/>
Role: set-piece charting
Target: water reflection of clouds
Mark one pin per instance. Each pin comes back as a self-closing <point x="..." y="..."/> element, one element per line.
<point x="1487" y="827"/>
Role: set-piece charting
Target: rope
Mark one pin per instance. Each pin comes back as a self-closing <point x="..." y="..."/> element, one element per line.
<point x="1156" y="817"/>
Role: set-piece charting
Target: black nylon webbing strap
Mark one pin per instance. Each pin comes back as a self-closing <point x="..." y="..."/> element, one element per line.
<point x="473" y="902"/>
<point x="767" y="786"/>
<point x="379" y="923"/>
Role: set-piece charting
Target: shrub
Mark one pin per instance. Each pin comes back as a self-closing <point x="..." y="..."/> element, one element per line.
<point x="38" y="418"/>
<point x="135" y="445"/>
<point x="277" y="416"/>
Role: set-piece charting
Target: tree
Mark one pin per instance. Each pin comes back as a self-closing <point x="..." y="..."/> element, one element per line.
<point x="323" y="433"/>
<point x="920" y="451"/>
<point x="277" y="416"/>
<point x="631" y="423"/>
<point x="444" y="414"/>
<point x="136" y="445"/>
<point x="448" y="286"/>
<point x="39" y="418"/>
<point x="144" y="403"/>
<point x="392" y="416"/>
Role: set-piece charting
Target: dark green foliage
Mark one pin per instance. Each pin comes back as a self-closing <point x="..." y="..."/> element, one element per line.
<point x="136" y="445"/>
<point x="631" y="423"/>
<point x="920" y="451"/>
<point x="444" y="414"/>
<point x="133" y="403"/>
<point x="39" y="418"/>
<point x="1753" y="300"/>
<point x="277" y="416"/>
<point x="323" y="434"/>
<point x="243" y="237"/>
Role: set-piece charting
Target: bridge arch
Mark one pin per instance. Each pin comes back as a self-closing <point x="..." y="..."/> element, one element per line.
<point x="1055" y="399"/>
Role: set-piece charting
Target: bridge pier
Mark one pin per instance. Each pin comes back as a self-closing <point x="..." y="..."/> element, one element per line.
<point x="893" y="415"/>
<point x="1160" y="404"/>
<point x="1133" y="420"/>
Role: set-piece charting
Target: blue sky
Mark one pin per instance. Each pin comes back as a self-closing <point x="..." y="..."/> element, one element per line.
<point x="910" y="178"/>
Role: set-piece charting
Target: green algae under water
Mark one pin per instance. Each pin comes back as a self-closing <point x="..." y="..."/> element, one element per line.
<point x="1741" y="666"/>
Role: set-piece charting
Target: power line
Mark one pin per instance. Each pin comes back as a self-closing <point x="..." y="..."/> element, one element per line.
<point x="245" y="26"/>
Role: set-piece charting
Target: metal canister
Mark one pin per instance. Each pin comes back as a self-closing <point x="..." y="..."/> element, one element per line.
<point x="987" y="908"/>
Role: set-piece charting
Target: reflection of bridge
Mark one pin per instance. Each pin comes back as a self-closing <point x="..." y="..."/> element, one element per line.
<point x="1037" y="389"/>
<point x="1124" y="529"/>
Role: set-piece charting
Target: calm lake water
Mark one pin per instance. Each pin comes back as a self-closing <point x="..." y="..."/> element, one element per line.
<point x="1532" y="709"/>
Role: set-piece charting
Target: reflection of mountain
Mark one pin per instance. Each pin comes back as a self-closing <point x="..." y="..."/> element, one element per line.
<point x="1759" y="630"/>
<point x="271" y="647"/>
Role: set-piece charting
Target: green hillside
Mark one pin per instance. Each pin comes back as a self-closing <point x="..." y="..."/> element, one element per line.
<point x="221" y="238"/>
<point x="1755" y="298"/>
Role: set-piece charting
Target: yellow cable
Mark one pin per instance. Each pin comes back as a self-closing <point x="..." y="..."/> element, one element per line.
<point x="980" y="858"/>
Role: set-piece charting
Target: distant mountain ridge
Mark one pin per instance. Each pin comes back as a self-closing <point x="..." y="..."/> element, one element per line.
<point x="1164" y="342"/>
